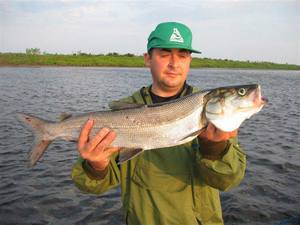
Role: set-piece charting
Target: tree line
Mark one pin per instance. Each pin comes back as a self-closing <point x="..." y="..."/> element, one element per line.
<point x="37" y="51"/>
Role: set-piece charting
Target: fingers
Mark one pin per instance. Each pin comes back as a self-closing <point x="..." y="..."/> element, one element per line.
<point x="212" y="133"/>
<point x="84" y="134"/>
<point x="233" y="133"/>
<point x="103" y="143"/>
<point x="208" y="132"/>
<point x="97" y="150"/>
<point x="112" y="150"/>
<point x="226" y="135"/>
<point x="100" y="143"/>
<point x="101" y="135"/>
<point x="222" y="135"/>
<point x="211" y="130"/>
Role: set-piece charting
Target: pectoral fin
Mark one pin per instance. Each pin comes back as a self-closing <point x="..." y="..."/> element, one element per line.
<point x="194" y="134"/>
<point x="128" y="153"/>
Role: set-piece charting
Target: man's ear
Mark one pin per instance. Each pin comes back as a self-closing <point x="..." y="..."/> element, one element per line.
<point x="147" y="59"/>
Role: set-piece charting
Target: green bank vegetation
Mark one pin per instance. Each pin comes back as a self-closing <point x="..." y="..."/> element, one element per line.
<point x="33" y="57"/>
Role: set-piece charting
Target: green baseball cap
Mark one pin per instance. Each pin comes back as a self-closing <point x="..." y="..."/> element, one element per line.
<point x="171" y="35"/>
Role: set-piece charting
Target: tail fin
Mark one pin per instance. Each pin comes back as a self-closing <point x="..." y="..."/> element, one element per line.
<point x="38" y="127"/>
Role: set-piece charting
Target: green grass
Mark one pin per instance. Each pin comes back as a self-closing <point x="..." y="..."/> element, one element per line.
<point x="225" y="63"/>
<point x="21" y="59"/>
<point x="16" y="59"/>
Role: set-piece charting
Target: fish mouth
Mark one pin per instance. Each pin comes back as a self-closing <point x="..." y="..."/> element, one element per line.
<point x="258" y="99"/>
<point x="264" y="100"/>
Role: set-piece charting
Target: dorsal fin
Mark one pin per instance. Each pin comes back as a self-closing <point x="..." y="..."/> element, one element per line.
<point x="117" y="105"/>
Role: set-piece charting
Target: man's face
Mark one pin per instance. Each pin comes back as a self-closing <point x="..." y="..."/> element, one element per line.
<point x="169" y="68"/>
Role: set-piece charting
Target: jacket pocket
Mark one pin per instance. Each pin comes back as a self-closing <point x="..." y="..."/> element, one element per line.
<point x="150" y="179"/>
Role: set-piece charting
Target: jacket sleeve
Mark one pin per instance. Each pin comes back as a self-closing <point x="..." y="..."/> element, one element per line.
<point x="88" y="182"/>
<point x="225" y="172"/>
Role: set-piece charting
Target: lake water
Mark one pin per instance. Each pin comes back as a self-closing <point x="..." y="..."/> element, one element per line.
<point x="45" y="194"/>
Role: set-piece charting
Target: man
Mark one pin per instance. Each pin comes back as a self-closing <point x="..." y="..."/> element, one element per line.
<point x="176" y="185"/>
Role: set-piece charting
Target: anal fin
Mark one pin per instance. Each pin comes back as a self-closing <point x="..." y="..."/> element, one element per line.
<point x="64" y="116"/>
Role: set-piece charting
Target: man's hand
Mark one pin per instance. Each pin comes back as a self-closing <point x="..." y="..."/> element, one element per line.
<point x="213" y="134"/>
<point x="96" y="151"/>
<point x="213" y="142"/>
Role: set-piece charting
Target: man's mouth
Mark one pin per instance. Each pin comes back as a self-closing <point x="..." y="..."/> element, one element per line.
<point x="173" y="74"/>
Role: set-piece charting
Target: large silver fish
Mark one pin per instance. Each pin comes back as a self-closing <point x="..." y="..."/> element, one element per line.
<point x="145" y="127"/>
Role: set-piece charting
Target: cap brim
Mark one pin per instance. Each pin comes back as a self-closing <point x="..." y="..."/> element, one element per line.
<point x="195" y="51"/>
<point x="175" y="46"/>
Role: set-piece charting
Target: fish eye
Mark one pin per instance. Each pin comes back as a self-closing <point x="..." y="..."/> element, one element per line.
<point x="242" y="91"/>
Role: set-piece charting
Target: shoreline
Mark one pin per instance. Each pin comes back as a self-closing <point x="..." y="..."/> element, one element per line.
<point x="132" y="67"/>
<point x="111" y="61"/>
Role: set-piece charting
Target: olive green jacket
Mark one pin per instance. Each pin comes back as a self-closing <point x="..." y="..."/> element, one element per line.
<point x="175" y="185"/>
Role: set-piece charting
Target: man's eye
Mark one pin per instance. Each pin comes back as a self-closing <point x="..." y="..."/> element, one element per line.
<point x="163" y="54"/>
<point x="183" y="55"/>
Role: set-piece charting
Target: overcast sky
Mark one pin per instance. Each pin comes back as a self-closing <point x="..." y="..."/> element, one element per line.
<point x="239" y="30"/>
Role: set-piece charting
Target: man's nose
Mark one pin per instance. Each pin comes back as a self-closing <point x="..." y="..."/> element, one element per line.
<point x="174" y="60"/>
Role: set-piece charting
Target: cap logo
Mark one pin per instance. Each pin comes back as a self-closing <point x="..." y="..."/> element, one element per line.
<point x="176" y="36"/>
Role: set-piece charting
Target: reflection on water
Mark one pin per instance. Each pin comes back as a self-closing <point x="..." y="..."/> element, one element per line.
<point x="45" y="194"/>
